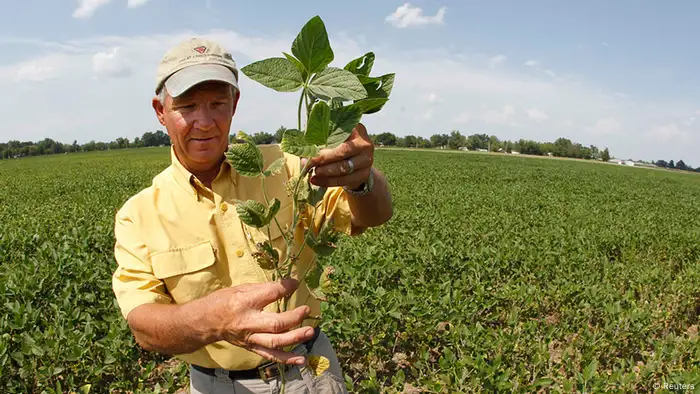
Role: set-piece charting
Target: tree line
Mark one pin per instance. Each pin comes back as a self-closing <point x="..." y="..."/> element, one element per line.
<point x="561" y="147"/>
<point x="15" y="148"/>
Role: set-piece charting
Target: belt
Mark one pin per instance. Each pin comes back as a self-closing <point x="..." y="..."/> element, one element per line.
<point x="265" y="371"/>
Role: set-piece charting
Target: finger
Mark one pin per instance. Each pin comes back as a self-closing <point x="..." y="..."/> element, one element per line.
<point x="349" y="148"/>
<point x="341" y="168"/>
<point x="277" y="341"/>
<point x="355" y="178"/>
<point x="278" y="356"/>
<point x="278" y="322"/>
<point x="263" y="294"/>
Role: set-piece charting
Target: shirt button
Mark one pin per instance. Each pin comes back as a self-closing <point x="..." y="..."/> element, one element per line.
<point x="239" y="253"/>
<point x="224" y="207"/>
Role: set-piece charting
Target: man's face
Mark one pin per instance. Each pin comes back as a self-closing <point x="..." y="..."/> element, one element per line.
<point x="198" y="123"/>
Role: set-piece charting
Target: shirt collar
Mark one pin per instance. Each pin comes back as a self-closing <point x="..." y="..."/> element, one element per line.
<point x="190" y="182"/>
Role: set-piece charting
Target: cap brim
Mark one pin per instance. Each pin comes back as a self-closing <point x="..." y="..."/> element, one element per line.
<point x="184" y="79"/>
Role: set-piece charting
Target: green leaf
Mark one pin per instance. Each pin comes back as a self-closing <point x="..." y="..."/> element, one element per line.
<point x="85" y="389"/>
<point x="303" y="187"/>
<point x="362" y="65"/>
<point x="275" y="167"/>
<point x="336" y="103"/>
<point x="245" y="157"/>
<point x="313" y="277"/>
<point x="326" y="283"/>
<point x="319" y="121"/>
<point x="252" y="213"/>
<point x="311" y="46"/>
<point x="378" y="87"/>
<point x="343" y="121"/>
<point x="370" y="104"/>
<point x="276" y="73"/>
<point x="272" y="210"/>
<point x="335" y="82"/>
<point x="294" y="143"/>
<point x="315" y="193"/>
<point x="589" y="371"/>
<point x="298" y="65"/>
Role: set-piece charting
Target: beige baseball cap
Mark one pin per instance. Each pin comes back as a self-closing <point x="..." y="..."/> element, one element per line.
<point x="194" y="61"/>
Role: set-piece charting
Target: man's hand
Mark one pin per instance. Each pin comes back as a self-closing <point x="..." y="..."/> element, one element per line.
<point x="331" y="165"/>
<point x="232" y="314"/>
<point x="243" y="323"/>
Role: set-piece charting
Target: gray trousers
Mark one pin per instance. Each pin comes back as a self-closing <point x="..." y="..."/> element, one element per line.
<point x="299" y="379"/>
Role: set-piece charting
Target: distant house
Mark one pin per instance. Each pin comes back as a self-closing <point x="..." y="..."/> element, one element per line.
<point x="482" y="150"/>
<point x="514" y="152"/>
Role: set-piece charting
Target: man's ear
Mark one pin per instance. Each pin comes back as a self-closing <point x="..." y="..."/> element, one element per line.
<point x="235" y="101"/>
<point x="158" y="108"/>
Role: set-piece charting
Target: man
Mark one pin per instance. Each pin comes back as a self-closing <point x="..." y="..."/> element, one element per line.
<point x="186" y="281"/>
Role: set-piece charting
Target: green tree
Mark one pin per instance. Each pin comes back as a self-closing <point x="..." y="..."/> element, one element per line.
<point x="279" y="133"/>
<point x="263" y="138"/>
<point x="439" y="140"/>
<point x="411" y="141"/>
<point x="605" y="155"/>
<point x="386" y="139"/>
<point x="456" y="140"/>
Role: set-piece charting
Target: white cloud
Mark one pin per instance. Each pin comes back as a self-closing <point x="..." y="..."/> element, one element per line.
<point x="406" y="16"/>
<point x="110" y="63"/>
<point x="432" y="97"/>
<point x="530" y="63"/>
<point x="668" y="133"/>
<point x="605" y="44"/>
<point x="500" y="101"/>
<point x="88" y="7"/>
<point x="490" y="116"/>
<point x="605" y="126"/>
<point x="36" y="70"/>
<point x="550" y="73"/>
<point x="496" y="60"/>
<point x="536" y="114"/>
<point x="136" y="3"/>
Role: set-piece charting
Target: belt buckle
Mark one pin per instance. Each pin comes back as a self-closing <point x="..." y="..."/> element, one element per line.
<point x="267" y="371"/>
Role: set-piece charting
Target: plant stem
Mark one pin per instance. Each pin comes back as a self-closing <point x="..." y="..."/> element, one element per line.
<point x="301" y="101"/>
<point x="267" y="201"/>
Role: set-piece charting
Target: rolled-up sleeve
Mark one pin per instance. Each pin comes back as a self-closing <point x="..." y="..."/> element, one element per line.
<point x="133" y="281"/>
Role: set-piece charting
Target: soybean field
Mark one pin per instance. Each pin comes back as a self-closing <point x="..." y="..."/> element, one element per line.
<point x="495" y="274"/>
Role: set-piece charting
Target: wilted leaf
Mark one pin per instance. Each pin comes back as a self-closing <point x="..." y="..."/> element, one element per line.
<point x="245" y="157"/>
<point x="275" y="167"/>
<point x="294" y="143"/>
<point x="252" y="213"/>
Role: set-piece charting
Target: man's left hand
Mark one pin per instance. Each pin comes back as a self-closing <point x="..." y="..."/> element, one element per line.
<point x="331" y="165"/>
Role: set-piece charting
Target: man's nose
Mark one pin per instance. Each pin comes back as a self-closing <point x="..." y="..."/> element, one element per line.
<point x="204" y="119"/>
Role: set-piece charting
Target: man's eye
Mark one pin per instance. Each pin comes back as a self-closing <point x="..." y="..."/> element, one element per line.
<point x="186" y="106"/>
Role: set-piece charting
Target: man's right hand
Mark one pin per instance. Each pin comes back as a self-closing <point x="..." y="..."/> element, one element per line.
<point x="241" y="321"/>
<point x="233" y="314"/>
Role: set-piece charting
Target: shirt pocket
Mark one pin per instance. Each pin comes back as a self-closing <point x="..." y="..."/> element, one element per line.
<point x="188" y="272"/>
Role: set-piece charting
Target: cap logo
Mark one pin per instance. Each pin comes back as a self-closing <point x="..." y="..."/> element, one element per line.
<point x="200" y="49"/>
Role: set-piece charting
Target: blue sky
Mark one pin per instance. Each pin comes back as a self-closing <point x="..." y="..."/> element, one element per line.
<point x="613" y="74"/>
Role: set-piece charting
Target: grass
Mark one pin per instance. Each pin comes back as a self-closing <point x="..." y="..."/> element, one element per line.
<point x="496" y="274"/>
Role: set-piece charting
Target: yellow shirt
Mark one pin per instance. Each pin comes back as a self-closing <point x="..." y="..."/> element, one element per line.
<point x="178" y="240"/>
